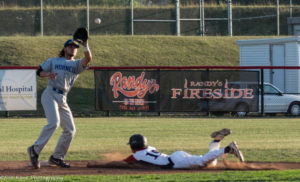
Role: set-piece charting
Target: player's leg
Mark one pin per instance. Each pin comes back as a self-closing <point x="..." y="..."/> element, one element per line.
<point x="215" y="144"/>
<point x="183" y="159"/>
<point x="68" y="126"/>
<point x="51" y="111"/>
<point x="232" y="148"/>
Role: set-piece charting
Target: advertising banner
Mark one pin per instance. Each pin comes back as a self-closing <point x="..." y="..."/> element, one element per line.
<point x="18" y="90"/>
<point x="194" y="90"/>
<point x="127" y="90"/>
<point x="177" y="90"/>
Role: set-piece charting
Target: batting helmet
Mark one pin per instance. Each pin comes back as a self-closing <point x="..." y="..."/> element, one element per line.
<point x="137" y="142"/>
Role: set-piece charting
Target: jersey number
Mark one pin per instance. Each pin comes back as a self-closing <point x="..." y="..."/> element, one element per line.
<point x="155" y="154"/>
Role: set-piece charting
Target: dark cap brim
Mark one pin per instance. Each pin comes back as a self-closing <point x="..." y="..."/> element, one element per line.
<point x="71" y="42"/>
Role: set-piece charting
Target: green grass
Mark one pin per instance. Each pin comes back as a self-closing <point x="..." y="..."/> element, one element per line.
<point x="292" y="175"/>
<point x="126" y="50"/>
<point x="259" y="139"/>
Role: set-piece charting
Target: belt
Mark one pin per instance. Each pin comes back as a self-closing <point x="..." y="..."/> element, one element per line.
<point x="171" y="163"/>
<point x="58" y="91"/>
<point x="168" y="166"/>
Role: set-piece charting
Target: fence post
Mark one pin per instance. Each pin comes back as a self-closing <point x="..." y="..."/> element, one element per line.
<point x="291" y="8"/>
<point x="200" y="17"/>
<point x="207" y="102"/>
<point x="229" y="18"/>
<point x="203" y="19"/>
<point x="42" y="19"/>
<point x="159" y="112"/>
<point x="278" y="18"/>
<point x="177" y="18"/>
<point x="132" y="26"/>
<point x="262" y="105"/>
<point x="88" y="15"/>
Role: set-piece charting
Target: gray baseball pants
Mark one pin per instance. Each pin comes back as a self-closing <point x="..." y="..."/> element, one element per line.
<point x="58" y="114"/>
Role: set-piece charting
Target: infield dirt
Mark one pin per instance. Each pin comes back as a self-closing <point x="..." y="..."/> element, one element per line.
<point x="22" y="168"/>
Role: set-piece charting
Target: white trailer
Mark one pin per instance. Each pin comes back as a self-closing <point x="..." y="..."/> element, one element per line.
<point x="274" y="52"/>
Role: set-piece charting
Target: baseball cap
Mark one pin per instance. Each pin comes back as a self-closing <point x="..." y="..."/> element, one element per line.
<point x="71" y="42"/>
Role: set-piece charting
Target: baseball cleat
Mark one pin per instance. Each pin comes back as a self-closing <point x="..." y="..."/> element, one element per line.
<point x="58" y="162"/>
<point x="34" y="157"/>
<point x="235" y="151"/>
<point x="219" y="135"/>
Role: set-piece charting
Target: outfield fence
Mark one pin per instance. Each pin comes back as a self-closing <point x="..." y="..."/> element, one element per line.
<point x="200" y="90"/>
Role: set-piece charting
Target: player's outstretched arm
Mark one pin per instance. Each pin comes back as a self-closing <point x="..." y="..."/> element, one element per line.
<point x="87" y="54"/>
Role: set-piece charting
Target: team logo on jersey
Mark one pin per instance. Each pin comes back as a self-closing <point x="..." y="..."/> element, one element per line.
<point x="66" y="68"/>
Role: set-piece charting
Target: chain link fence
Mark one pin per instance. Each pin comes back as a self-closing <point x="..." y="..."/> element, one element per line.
<point x="62" y="17"/>
<point x="72" y="3"/>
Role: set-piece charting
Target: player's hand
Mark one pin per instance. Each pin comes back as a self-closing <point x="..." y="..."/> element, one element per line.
<point x="85" y="44"/>
<point x="52" y="76"/>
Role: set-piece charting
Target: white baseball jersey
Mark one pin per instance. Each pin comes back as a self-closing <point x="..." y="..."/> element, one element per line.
<point x="150" y="155"/>
<point x="178" y="159"/>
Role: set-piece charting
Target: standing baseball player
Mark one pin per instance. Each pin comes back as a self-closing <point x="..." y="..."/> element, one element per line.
<point x="62" y="72"/>
<point x="179" y="159"/>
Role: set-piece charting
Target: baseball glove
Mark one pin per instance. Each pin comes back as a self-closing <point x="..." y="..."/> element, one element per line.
<point x="81" y="35"/>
